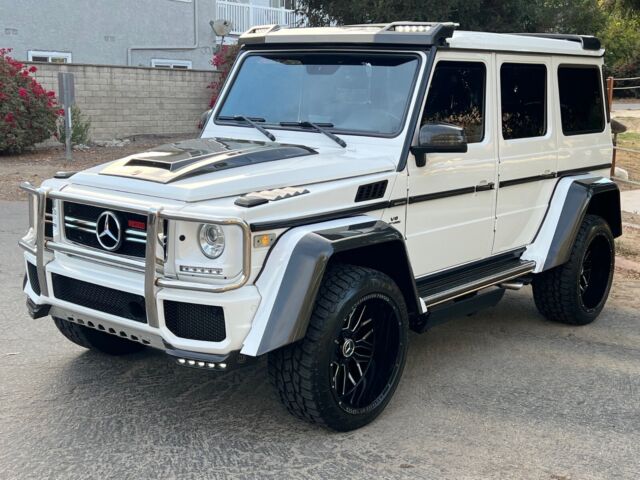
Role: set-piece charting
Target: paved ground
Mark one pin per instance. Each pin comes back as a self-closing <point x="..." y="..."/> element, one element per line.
<point x="630" y="200"/>
<point x="500" y="395"/>
<point x="625" y="106"/>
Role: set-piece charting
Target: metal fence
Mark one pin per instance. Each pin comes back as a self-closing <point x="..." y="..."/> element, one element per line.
<point x="618" y="84"/>
<point x="245" y="15"/>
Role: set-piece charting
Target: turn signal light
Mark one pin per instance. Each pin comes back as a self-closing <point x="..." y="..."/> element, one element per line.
<point x="265" y="240"/>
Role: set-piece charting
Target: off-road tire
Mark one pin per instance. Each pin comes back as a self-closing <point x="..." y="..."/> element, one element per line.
<point x="301" y="371"/>
<point x="95" y="340"/>
<point x="557" y="291"/>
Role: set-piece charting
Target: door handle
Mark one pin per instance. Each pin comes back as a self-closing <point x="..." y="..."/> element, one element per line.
<point x="484" y="186"/>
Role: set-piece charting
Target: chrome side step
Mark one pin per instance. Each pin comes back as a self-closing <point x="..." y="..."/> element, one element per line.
<point x="475" y="282"/>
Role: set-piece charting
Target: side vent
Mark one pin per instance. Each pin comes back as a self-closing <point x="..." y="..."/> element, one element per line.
<point x="371" y="191"/>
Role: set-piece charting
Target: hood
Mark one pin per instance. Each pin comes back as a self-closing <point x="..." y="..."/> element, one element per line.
<point x="202" y="169"/>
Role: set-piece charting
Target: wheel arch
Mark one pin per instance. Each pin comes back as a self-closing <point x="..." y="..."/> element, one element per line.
<point x="288" y="299"/>
<point x="574" y="197"/>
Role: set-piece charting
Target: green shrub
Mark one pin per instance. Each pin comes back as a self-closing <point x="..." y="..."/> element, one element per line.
<point x="28" y="112"/>
<point x="80" y="126"/>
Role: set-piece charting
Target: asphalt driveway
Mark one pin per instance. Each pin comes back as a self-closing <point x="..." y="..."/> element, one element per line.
<point x="503" y="394"/>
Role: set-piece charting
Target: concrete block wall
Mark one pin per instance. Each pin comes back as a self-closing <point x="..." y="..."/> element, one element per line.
<point x="126" y="101"/>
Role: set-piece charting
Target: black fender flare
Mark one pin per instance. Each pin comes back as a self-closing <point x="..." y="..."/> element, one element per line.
<point x="593" y="195"/>
<point x="359" y="243"/>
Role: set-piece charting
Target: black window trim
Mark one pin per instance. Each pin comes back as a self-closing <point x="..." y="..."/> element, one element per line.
<point x="546" y="100"/>
<point x="484" y="92"/>
<point x="358" y="133"/>
<point x="599" y="77"/>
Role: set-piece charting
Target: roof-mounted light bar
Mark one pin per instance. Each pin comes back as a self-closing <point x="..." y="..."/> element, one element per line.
<point x="400" y="33"/>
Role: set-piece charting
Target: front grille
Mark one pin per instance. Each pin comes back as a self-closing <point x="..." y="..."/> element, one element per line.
<point x="108" y="300"/>
<point x="195" y="322"/>
<point x="32" y="273"/>
<point x="80" y="227"/>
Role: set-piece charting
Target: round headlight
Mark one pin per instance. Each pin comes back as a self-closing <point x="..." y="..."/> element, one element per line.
<point x="211" y="240"/>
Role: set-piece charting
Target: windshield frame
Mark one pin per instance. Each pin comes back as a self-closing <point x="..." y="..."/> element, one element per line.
<point x="338" y="131"/>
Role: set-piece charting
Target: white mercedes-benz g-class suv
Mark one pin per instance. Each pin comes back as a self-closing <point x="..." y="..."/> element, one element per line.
<point x="351" y="183"/>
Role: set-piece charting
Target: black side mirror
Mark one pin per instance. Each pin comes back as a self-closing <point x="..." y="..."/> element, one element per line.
<point x="204" y="118"/>
<point x="439" y="138"/>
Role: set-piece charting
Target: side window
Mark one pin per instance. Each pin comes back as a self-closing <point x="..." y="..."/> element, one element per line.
<point x="457" y="96"/>
<point x="581" y="102"/>
<point x="523" y="90"/>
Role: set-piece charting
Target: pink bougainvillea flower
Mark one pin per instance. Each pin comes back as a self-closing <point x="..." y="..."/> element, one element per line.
<point x="23" y="92"/>
<point x="9" y="118"/>
<point x="33" y="69"/>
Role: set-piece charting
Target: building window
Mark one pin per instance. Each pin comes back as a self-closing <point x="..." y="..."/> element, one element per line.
<point x="456" y="96"/>
<point x="48" y="56"/>
<point x="581" y="102"/>
<point x="175" y="64"/>
<point x="523" y="93"/>
<point x="287" y="4"/>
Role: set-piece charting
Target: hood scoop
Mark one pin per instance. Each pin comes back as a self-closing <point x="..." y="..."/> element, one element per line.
<point x="176" y="161"/>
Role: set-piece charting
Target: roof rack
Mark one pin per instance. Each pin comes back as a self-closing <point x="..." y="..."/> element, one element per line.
<point x="588" y="42"/>
<point x="405" y="33"/>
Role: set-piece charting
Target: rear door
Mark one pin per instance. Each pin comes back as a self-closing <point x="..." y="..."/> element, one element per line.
<point x="527" y="147"/>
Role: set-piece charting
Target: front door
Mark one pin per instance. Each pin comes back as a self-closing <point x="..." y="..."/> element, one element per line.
<point x="451" y="210"/>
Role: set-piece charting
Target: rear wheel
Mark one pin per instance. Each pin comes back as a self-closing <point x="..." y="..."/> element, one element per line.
<point x="576" y="292"/>
<point x="346" y="369"/>
<point x="94" y="340"/>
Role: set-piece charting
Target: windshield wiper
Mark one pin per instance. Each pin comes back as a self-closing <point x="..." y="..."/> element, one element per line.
<point x="318" y="127"/>
<point x="252" y="121"/>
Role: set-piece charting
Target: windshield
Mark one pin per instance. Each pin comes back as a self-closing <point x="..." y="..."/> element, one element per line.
<point x="356" y="93"/>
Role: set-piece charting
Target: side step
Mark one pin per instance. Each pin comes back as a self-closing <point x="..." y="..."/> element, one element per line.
<point x="447" y="286"/>
<point x="458" y="308"/>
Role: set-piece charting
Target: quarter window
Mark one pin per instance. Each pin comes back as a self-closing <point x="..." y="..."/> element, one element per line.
<point x="523" y="91"/>
<point x="581" y="102"/>
<point x="457" y="96"/>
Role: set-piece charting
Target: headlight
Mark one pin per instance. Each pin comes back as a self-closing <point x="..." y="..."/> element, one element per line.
<point x="211" y="240"/>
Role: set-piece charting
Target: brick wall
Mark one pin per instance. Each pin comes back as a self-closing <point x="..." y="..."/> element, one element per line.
<point x="126" y="101"/>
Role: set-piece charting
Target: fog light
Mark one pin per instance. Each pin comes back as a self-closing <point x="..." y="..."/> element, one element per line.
<point x="222" y="365"/>
<point x="182" y="361"/>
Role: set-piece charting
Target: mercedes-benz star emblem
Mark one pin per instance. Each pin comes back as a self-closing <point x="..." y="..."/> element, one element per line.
<point x="108" y="231"/>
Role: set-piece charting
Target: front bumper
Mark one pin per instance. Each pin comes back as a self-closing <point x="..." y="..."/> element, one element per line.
<point x="144" y="279"/>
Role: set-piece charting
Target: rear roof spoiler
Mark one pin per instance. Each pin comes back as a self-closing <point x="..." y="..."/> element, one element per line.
<point x="588" y="42"/>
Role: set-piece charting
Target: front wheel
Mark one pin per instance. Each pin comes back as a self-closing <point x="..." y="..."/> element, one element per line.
<point x="346" y="369"/>
<point x="576" y="292"/>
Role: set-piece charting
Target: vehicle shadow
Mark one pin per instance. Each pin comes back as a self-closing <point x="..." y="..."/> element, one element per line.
<point x="148" y="388"/>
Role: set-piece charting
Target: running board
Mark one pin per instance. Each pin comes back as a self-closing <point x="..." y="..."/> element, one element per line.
<point x="462" y="281"/>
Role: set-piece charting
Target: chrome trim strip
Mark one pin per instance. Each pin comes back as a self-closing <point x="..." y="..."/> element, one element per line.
<point x="79" y="221"/>
<point x="138" y="233"/>
<point x="40" y="241"/>
<point x="96" y="255"/>
<point x="135" y="240"/>
<point x="151" y="261"/>
<point x="476" y="285"/>
<point x="78" y="227"/>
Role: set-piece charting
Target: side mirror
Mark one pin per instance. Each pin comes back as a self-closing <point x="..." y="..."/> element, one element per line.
<point x="204" y="118"/>
<point x="439" y="138"/>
